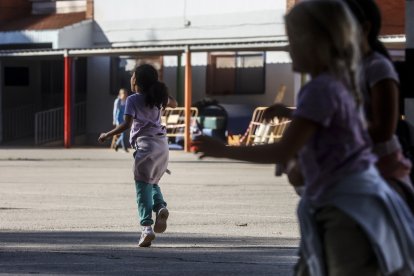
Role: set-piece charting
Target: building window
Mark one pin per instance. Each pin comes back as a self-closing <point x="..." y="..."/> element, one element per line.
<point x="122" y="67"/>
<point x="236" y="73"/>
<point x="16" y="76"/>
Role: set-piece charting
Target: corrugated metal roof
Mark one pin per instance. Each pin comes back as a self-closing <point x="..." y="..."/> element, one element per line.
<point x="276" y="45"/>
<point x="159" y="49"/>
<point x="31" y="53"/>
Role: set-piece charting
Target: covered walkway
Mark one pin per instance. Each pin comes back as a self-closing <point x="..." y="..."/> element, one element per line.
<point x="69" y="55"/>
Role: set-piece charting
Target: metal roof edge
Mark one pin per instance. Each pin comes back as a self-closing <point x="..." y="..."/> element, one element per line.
<point x="263" y="44"/>
<point x="204" y="41"/>
<point x="401" y="38"/>
<point x="160" y="49"/>
<point x="31" y="53"/>
<point x="126" y="50"/>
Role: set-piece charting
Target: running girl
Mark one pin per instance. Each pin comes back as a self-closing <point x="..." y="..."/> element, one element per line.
<point x="148" y="137"/>
<point x="346" y="207"/>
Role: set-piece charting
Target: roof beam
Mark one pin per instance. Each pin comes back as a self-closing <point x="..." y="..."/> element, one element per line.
<point x="162" y="50"/>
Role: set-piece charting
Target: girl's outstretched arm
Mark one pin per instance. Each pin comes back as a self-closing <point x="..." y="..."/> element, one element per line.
<point x="295" y="137"/>
<point x="117" y="130"/>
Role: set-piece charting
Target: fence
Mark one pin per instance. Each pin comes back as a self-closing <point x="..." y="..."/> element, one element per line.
<point x="174" y="120"/>
<point x="262" y="132"/>
<point x="49" y="123"/>
<point x="18" y="122"/>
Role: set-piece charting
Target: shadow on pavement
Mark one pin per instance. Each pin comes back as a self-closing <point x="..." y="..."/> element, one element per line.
<point x="117" y="253"/>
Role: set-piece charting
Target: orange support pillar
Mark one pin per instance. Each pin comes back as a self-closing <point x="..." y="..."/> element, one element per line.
<point x="67" y="110"/>
<point x="187" y="100"/>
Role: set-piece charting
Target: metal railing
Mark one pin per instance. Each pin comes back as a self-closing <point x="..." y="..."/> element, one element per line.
<point x="18" y="122"/>
<point x="49" y="123"/>
<point x="174" y="120"/>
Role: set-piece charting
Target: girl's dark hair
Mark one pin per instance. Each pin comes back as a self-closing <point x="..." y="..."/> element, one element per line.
<point x="156" y="93"/>
<point x="368" y="11"/>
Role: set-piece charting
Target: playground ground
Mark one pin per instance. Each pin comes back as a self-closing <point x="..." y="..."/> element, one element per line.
<point x="74" y="212"/>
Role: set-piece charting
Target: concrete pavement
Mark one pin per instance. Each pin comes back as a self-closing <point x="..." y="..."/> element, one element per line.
<point x="74" y="212"/>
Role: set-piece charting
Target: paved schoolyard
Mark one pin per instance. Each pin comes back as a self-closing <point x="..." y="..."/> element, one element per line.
<point x="74" y="212"/>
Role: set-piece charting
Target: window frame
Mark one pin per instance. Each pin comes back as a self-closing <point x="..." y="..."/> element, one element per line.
<point x="212" y="66"/>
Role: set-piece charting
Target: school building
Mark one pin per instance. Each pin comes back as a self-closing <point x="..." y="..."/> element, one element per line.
<point x="63" y="62"/>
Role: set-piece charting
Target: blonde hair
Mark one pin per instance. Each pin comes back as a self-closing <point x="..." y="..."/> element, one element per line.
<point x="332" y="38"/>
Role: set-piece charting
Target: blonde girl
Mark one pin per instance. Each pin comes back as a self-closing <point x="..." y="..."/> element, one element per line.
<point x="346" y="207"/>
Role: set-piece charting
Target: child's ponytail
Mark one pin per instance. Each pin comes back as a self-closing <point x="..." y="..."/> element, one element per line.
<point x="156" y="93"/>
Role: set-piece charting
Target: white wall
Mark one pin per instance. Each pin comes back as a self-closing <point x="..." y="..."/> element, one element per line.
<point x="128" y="22"/>
<point x="76" y="36"/>
<point x="108" y="10"/>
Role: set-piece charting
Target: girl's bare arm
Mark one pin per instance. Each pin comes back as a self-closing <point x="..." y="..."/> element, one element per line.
<point x="117" y="130"/>
<point x="384" y="109"/>
<point x="295" y="137"/>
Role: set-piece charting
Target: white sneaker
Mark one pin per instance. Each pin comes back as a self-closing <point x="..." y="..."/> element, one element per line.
<point x="147" y="236"/>
<point x="161" y="220"/>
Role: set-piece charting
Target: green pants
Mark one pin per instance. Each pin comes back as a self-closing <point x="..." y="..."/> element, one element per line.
<point x="149" y="198"/>
<point x="346" y="247"/>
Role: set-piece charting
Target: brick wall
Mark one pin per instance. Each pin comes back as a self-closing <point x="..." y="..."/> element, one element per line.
<point x="392" y="11"/>
<point x="393" y="16"/>
<point x="13" y="9"/>
<point x="89" y="9"/>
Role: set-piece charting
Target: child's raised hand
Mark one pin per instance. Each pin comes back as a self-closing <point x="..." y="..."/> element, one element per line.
<point x="102" y="137"/>
<point x="277" y="110"/>
<point x="208" y="147"/>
